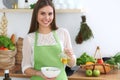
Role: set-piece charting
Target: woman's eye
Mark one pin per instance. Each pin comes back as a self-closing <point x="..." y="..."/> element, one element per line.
<point x="50" y="13"/>
<point x="43" y="13"/>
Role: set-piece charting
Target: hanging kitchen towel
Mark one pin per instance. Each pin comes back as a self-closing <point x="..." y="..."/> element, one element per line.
<point x="85" y="32"/>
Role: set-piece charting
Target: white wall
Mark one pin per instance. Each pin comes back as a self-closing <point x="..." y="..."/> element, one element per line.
<point x="102" y="17"/>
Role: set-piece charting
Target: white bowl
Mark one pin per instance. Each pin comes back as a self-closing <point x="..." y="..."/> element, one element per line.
<point x="50" y="72"/>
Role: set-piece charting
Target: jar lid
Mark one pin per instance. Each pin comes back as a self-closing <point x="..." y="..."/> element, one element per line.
<point x="6" y="71"/>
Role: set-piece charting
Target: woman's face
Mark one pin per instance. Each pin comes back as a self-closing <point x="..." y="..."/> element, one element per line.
<point x="45" y="16"/>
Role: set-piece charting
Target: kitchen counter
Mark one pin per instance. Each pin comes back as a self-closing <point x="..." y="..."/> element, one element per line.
<point x="80" y="75"/>
<point x="15" y="72"/>
<point x="77" y="75"/>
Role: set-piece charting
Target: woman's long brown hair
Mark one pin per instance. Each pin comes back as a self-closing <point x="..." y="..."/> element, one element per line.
<point x="34" y="23"/>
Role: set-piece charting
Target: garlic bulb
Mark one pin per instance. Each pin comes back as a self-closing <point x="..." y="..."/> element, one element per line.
<point x="3" y="25"/>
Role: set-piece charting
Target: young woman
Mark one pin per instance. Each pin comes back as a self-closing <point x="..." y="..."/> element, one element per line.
<point x="45" y="42"/>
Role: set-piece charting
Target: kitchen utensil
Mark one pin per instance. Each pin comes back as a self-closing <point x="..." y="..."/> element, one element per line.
<point x="9" y="3"/>
<point x="50" y="72"/>
<point x="64" y="58"/>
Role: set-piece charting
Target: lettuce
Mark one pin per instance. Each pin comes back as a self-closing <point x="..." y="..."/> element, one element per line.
<point x="114" y="60"/>
<point x="6" y="42"/>
<point x="85" y="58"/>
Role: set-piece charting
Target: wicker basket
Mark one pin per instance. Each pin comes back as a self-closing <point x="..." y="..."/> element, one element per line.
<point x="104" y="68"/>
<point x="7" y="59"/>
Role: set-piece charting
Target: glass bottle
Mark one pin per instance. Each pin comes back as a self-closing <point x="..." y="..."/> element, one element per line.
<point x="64" y="58"/>
<point x="6" y="75"/>
<point x="98" y="56"/>
<point x="26" y="5"/>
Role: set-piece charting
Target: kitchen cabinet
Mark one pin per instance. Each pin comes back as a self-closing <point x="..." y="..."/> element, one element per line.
<point x="30" y="10"/>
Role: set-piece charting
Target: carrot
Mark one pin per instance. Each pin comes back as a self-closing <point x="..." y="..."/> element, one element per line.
<point x="5" y="49"/>
<point x="13" y="38"/>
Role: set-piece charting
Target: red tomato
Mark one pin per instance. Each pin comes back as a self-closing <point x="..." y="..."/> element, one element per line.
<point x="2" y="48"/>
<point x="99" y="61"/>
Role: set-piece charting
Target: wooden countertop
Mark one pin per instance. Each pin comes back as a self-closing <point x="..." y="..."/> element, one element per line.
<point x="80" y="75"/>
<point x="15" y="72"/>
<point x="17" y="75"/>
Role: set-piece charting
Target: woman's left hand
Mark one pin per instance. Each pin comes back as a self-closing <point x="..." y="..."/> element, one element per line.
<point x="72" y="59"/>
<point x="68" y="52"/>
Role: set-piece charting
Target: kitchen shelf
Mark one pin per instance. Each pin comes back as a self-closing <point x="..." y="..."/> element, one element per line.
<point x="30" y="10"/>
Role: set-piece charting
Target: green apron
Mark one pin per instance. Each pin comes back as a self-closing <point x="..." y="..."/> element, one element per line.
<point x="48" y="55"/>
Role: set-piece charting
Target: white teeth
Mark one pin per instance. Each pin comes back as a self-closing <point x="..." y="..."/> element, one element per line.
<point x="46" y="22"/>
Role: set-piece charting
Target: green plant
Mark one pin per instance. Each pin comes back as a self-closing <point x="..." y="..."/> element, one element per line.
<point x="85" y="32"/>
<point x="114" y="60"/>
<point x="5" y="42"/>
<point x="32" y="6"/>
<point x="85" y="58"/>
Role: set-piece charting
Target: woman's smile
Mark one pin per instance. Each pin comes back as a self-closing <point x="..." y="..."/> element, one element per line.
<point x="45" y="16"/>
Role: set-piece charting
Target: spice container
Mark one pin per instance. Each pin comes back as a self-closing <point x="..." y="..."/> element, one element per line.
<point x="6" y="75"/>
<point x="26" y="5"/>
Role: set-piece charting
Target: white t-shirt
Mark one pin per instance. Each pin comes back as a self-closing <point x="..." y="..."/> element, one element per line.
<point x="43" y="39"/>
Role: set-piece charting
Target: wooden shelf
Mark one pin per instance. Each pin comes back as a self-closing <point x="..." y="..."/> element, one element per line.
<point x="68" y="10"/>
<point x="15" y="10"/>
<point x="30" y="10"/>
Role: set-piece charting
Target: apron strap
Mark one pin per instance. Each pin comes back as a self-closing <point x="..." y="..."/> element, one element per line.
<point x="55" y="36"/>
<point x="36" y="37"/>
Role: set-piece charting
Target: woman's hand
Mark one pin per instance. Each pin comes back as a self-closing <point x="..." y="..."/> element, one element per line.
<point x="46" y="78"/>
<point x="71" y="56"/>
<point x="50" y="78"/>
<point x="68" y="52"/>
<point x="32" y="72"/>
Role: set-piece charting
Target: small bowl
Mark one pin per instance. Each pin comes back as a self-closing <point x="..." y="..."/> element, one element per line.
<point x="106" y="58"/>
<point x="50" y="72"/>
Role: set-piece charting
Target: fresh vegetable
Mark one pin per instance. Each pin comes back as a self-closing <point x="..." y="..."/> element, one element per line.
<point x="89" y="63"/>
<point x="114" y="60"/>
<point x="5" y="42"/>
<point x="12" y="38"/>
<point x="84" y="58"/>
<point x="32" y="5"/>
<point x="3" y="25"/>
<point x="85" y="32"/>
<point x="11" y="47"/>
<point x="100" y="61"/>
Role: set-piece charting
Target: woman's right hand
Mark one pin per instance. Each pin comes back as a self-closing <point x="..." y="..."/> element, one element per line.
<point x="50" y="79"/>
<point x="46" y="78"/>
<point x="32" y="72"/>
